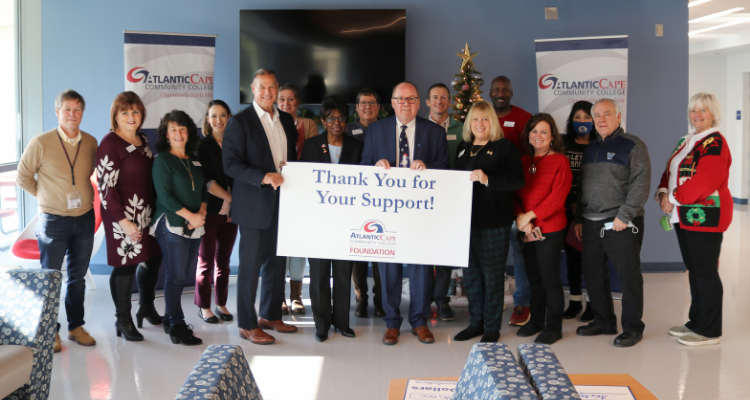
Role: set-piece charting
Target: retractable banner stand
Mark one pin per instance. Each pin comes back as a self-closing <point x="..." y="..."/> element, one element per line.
<point x="364" y="213"/>
<point x="170" y="71"/>
<point x="569" y="70"/>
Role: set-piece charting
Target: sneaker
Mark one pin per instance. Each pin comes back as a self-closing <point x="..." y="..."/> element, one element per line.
<point x="58" y="343"/>
<point x="694" y="339"/>
<point x="80" y="336"/>
<point x="679" y="331"/>
<point x="445" y="312"/>
<point x="520" y="316"/>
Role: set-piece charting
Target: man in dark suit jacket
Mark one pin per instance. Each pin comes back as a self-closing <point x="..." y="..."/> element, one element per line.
<point x="407" y="141"/>
<point x="257" y="143"/>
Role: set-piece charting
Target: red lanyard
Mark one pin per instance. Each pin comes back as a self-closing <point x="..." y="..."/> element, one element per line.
<point x="72" y="164"/>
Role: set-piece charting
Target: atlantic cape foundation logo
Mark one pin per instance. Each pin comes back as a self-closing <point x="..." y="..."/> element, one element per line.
<point x="372" y="239"/>
<point x="600" y="87"/>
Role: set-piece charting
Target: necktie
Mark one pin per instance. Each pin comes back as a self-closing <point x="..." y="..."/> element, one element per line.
<point x="403" y="146"/>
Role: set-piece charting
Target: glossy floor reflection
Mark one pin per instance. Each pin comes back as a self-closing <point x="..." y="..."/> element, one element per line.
<point x="297" y="367"/>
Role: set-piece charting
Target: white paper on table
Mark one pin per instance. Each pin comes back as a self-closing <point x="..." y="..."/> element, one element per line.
<point x="605" y="392"/>
<point x="422" y="389"/>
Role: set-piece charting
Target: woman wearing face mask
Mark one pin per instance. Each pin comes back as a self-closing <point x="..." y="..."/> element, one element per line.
<point x="541" y="204"/>
<point x="288" y="102"/>
<point x="580" y="131"/>
<point x="333" y="147"/>
<point x="218" y="241"/>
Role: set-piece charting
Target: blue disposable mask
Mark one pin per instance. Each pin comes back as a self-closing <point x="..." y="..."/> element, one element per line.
<point x="583" y="128"/>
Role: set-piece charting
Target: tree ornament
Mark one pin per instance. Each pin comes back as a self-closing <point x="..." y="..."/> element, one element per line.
<point x="466" y="56"/>
<point x="465" y="87"/>
<point x="459" y="106"/>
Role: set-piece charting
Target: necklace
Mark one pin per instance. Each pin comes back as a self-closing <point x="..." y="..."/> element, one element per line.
<point x="472" y="153"/>
<point x="187" y="167"/>
<point x="532" y="169"/>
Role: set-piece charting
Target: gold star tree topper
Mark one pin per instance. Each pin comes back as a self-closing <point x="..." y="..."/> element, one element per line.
<point x="467" y="56"/>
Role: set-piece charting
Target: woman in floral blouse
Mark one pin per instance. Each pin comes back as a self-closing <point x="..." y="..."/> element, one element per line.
<point x="126" y="189"/>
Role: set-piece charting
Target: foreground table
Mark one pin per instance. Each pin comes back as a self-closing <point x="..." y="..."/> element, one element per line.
<point x="397" y="387"/>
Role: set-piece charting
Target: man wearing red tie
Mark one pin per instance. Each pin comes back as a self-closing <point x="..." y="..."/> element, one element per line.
<point x="406" y="141"/>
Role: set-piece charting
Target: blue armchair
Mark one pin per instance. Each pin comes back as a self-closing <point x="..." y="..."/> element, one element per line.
<point x="29" y="303"/>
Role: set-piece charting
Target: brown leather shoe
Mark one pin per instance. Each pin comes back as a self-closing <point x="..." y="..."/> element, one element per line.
<point x="80" y="336"/>
<point x="278" y="325"/>
<point x="391" y="336"/>
<point x="257" y="336"/>
<point x="58" y="343"/>
<point x="424" y="334"/>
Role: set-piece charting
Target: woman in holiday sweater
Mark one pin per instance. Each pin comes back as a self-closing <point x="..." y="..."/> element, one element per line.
<point x="579" y="131"/>
<point x="541" y="204"/>
<point x="693" y="191"/>
<point x="496" y="171"/>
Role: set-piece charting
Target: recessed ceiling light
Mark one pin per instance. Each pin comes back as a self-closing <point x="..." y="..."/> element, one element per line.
<point x="740" y="21"/>
<point x="717" y="15"/>
<point x="697" y="2"/>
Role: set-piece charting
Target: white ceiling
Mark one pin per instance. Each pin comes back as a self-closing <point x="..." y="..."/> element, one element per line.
<point x="713" y="7"/>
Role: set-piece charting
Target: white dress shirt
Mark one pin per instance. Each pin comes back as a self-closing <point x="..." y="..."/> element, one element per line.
<point x="410" y="129"/>
<point x="274" y="133"/>
<point x="446" y="124"/>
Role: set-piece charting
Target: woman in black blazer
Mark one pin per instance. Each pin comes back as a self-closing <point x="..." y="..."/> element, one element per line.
<point x="332" y="147"/>
<point x="496" y="171"/>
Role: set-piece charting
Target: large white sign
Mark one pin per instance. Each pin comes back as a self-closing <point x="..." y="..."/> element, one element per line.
<point x="170" y="71"/>
<point x="364" y="213"/>
<point x="569" y="70"/>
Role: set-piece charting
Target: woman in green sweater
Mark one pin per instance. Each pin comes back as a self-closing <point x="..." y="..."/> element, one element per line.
<point x="181" y="200"/>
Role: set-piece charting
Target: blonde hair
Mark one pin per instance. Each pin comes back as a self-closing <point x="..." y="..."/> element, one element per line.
<point x="705" y="100"/>
<point x="485" y="109"/>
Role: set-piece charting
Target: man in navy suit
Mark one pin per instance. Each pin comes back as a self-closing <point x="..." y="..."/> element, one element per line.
<point x="406" y="141"/>
<point x="257" y="143"/>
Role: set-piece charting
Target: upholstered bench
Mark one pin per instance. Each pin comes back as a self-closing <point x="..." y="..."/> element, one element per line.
<point x="222" y="373"/>
<point x="545" y="372"/>
<point x="491" y="372"/>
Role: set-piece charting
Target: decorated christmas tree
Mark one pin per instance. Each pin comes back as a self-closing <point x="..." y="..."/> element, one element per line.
<point x="466" y="85"/>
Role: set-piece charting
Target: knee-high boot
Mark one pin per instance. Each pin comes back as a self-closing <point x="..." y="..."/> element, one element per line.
<point x="121" y="288"/>
<point x="146" y="275"/>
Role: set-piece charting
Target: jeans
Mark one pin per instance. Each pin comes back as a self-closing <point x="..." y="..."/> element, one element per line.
<point x="180" y="255"/>
<point x="296" y="268"/>
<point x="522" y="295"/>
<point x="57" y="235"/>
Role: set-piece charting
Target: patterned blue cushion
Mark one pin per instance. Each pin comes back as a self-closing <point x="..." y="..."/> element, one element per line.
<point x="222" y="373"/>
<point x="29" y="302"/>
<point x="492" y="373"/>
<point x="545" y="372"/>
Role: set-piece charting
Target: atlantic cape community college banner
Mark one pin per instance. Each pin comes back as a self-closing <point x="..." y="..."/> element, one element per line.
<point x="170" y="71"/>
<point x="365" y="213"/>
<point x="569" y="70"/>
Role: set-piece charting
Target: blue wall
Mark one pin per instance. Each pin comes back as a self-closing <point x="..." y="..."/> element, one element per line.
<point x="83" y="50"/>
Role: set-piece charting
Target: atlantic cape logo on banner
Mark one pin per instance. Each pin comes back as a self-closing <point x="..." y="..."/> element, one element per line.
<point x="599" y="87"/>
<point x="371" y="239"/>
<point x="170" y="82"/>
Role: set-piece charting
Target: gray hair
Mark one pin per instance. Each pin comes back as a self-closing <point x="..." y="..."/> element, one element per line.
<point x="709" y="101"/>
<point x="263" y="71"/>
<point x="604" y="99"/>
<point x="69" y="94"/>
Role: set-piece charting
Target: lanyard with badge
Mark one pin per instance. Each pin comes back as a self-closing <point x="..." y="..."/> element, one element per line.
<point x="74" y="198"/>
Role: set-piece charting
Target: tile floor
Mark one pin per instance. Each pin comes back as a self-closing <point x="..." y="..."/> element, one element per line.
<point x="297" y="367"/>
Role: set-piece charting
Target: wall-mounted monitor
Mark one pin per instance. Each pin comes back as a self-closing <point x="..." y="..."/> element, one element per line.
<point x="324" y="52"/>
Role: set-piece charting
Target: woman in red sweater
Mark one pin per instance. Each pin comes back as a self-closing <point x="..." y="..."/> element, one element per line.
<point x="541" y="204"/>
<point x="693" y="191"/>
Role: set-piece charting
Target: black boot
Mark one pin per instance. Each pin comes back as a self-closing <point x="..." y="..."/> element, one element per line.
<point x="182" y="333"/>
<point x="146" y="275"/>
<point x="166" y="323"/>
<point x="121" y="288"/>
<point x="574" y="307"/>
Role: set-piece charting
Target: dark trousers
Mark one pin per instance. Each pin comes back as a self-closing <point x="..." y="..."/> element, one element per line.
<point x="624" y="250"/>
<point x="441" y="283"/>
<point x="484" y="279"/>
<point x="321" y="272"/>
<point x="574" y="259"/>
<point x="180" y="255"/>
<point x="359" y="280"/>
<point x="213" y="261"/>
<point x="542" y="260"/>
<point x="258" y="259"/>
<point x="57" y="236"/>
<point x="420" y="293"/>
<point x="700" y="252"/>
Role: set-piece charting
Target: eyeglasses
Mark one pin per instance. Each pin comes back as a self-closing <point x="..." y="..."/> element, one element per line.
<point x="400" y="100"/>
<point x="368" y="103"/>
<point x="331" y="120"/>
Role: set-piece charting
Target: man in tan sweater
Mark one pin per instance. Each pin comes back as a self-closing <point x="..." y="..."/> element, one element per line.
<point x="63" y="160"/>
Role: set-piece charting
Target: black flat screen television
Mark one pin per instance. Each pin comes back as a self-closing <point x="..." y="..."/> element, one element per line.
<point x="324" y="52"/>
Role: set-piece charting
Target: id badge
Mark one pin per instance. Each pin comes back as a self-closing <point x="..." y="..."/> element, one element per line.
<point x="74" y="200"/>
